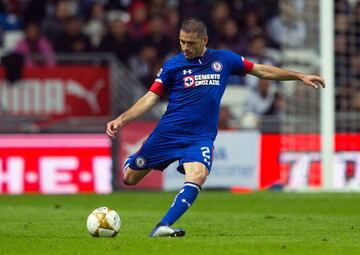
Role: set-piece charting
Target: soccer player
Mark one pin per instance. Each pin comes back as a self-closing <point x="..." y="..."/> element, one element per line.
<point x="194" y="81"/>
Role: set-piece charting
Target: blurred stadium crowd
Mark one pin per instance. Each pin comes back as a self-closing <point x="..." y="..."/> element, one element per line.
<point x="144" y="33"/>
<point x="347" y="55"/>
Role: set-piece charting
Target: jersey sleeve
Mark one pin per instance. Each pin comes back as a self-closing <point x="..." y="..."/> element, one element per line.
<point x="162" y="81"/>
<point x="238" y="64"/>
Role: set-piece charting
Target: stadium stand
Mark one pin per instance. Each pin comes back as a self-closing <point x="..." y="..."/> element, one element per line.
<point x="131" y="23"/>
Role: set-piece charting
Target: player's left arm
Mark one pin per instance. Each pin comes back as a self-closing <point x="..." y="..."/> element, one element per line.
<point x="268" y="72"/>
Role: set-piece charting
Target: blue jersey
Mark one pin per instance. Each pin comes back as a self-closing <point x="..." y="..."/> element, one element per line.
<point x="188" y="128"/>
<point x="195" y="88"/>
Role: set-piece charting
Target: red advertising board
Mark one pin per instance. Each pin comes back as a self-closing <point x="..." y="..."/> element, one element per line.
<point x="53" y="164"/>
<point x="81" y="163"/>
<point x="293" y="161"/>
<point x="60" y="91"/>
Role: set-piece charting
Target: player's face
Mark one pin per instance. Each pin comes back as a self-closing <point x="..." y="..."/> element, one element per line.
<point x="192" y="45"/>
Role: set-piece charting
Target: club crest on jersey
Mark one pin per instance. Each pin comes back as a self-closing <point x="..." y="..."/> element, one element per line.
<point x="189" y="81"/>
<point x="185" y="72"/>
<point x="217" y="66"/>
<point x="140" y="161"/>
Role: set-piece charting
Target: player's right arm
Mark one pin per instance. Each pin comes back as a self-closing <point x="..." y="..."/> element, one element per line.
<point x="143" y="105"/>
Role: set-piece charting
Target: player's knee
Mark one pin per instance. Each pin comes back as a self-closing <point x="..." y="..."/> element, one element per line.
<point x="128" y="182"/>
<point x="197" y="177"/>
<point x="132" y="177"/>
<point x="129" y="179"/>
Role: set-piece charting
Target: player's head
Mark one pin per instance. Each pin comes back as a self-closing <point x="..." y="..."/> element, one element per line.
<point x="193" y="38"/>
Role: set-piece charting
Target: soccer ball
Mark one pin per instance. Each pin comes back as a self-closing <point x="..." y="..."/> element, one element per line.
<point x="103" y="222"/>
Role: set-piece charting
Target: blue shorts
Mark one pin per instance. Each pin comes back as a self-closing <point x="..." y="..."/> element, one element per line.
<point x="159" y="152"/>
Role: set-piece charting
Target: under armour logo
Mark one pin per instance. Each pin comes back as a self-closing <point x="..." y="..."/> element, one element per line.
<point x="185" y="72"/>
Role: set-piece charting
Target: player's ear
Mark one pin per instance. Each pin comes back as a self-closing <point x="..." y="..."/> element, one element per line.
<point x="206" y="40"/>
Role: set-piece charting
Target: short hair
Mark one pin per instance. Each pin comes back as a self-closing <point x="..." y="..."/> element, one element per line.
<point x="194" y="25"/>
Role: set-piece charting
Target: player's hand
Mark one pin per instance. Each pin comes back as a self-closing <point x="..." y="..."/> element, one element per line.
<point x="113" y="128"/>
<point x="313" y="81"/>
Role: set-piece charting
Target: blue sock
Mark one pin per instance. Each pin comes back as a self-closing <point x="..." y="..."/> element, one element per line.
<point x="183" y="200"/>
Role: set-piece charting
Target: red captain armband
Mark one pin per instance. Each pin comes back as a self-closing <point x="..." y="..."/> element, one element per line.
<point x="248" y="66"/>
<point x="157" y="88"/>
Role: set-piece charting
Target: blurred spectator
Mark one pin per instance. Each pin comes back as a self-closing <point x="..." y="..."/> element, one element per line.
<point x="287" y="30"/>
<point x="356" y="100"/>
<point x="10" y="16"/>
<point x="117" y="40"/>
<point x="341" y="24"/>
<point x="265" y="9"/>
<point x="342" y="45"/>
<point x="257" y="53"/>
<point x="251" y="25"/>
<point x="116" y="5"/>
<point x="145" y="64"/>
<point x="265" y="106"/>
<point x="342" y="6"/>
<point x="230" y="38"/>
<point x="311" y="16"/>
<point x="72" y="39"/>
<point x="172" y="21"/>
<point x="225" y="118"/>
<point x="34" y="11"/>
<point x="1" y="39"/>
<point x="139" y="24"/>
<point x="219" y="13"/>
<point x="157" y="7"/>
<point x="13" y="6"/>
<point x="95" y="25"/>
<point x="265" y="100"/>
<point x="355" y="70"/>
<point x="193" y="8"/>
<point x="157" y="36"/>
<point x="343" y="98"/>
<point x="355" y="28"/>
<point x="13" y="64"/>
<point x="55" y="23"/>
<point x="342" y="60"/>
<point x="36" y="49"/>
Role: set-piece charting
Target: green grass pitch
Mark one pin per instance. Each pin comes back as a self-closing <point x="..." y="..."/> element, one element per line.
<point x="218" y="223"/>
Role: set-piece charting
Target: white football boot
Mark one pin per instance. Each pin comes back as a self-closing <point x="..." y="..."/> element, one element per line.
<point x="166" y="231"/>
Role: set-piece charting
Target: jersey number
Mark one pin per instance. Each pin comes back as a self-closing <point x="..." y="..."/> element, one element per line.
<point x="206" y="154"/>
